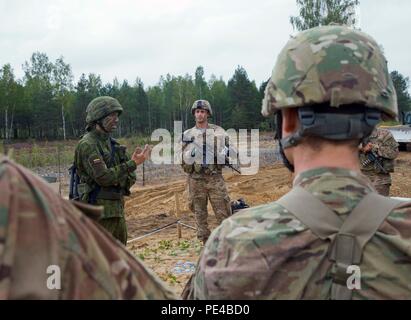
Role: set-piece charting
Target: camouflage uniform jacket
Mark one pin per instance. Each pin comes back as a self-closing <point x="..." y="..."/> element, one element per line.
<point x="214" y="135"/>
<point x="39" y="229"/>
<point x="92" y="156"/>
<point x="266" y="253"/>
<point x="386" y="148"/>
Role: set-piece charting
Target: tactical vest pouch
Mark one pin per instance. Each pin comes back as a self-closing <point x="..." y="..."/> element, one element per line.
<point x="188" y="168"/>
<point x="110" y="193"/>
<point x="197" y="168"/>
<point x="388" y="165"/>
<point x="348" y="237"/>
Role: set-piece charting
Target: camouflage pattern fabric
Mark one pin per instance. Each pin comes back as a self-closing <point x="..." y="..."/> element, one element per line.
<point x="93" y="170"/>
<point x="101" y="107"/>
<point x="39" y="229"/>
<point x="386" y="148"/>
<point x="213" y="136"/>
<point x="117" y="226"/>
<point x="266" y="253"/>
<point x="331" y="64"/>
<point x="382" y="189"/>
<point x="204" y="188"/>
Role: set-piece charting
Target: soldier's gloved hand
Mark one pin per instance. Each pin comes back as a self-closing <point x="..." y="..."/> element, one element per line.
<point x="139" y="156"/>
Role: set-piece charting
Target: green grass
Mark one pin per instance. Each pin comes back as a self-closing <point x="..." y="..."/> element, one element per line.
<point x="33" y="154"/>
<point x="39" y="156"/>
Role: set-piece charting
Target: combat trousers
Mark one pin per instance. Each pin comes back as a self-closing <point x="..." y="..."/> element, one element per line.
<point x="117" y="227"/>
<point x="383" y="189"/>
<point x="201" y="189"/>
<point x="381" y="182"/>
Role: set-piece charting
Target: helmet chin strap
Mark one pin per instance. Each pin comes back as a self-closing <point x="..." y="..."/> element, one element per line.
<point x="350" y="125"/>
<point x="100" y="123"/>
<point x="279" y="133"/>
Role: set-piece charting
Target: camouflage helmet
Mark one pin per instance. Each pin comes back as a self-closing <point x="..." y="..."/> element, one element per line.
<point x="333" y="64"/>
<point x="202" y="104"/>
<point x="101" y="107"/>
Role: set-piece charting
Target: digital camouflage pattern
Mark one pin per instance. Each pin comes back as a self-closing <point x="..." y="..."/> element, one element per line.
<point x="92" y="156"/>
<point x="101" y="107"/>
<point x="266" y="253"/>
<point x="205" y="181"/>
<point x="331" y="64"/>
<point x="386" y="148"/>
<point x="39" y="229"/>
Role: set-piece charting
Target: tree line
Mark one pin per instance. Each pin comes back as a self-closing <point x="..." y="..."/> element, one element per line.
<point x="47" y="104"/>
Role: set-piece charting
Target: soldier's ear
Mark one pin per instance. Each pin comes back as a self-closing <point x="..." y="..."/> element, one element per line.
<point x="289" y="121"/>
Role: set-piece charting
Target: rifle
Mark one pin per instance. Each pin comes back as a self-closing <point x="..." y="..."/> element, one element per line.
<point x="209" y="155"/>
<point x="226" y="152"/>
<point x="373" y="158"/>
<point x="74" y="182"/>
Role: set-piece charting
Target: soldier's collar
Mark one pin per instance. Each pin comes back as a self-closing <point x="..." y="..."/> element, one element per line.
<point x="209" y="126"/>
<point x="323" y="171"/>
<point x="100" y="135"/>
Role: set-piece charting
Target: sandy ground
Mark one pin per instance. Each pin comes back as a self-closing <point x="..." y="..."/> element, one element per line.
<point x="173" y="259"/>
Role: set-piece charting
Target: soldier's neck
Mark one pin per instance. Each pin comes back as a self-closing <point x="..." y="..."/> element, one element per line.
<point x="99" y="132"/>
<point x="345" y="157"/>
<point x="203" y="125"/>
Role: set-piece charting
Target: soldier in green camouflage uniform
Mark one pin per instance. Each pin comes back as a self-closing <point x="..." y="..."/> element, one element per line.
<point x="382" y="145"/>
<point x="329" y="89"/>
<point x="205" y="180"/>
<point x="39" y="229"/>
<point x="106" y="170"/>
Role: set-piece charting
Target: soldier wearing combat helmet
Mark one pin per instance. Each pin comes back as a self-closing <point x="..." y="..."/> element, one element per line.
<point x="328" y="90"/>
<point x="377" y="154"/>
<point x="201" y="146"/>
<point x="106" y="171"/>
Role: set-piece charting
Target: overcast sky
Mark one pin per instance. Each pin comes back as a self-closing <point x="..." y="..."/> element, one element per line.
<point x="150" y="38"/>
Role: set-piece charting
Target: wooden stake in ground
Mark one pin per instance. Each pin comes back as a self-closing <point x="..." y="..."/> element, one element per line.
<point x="58" y="161"/>
<point x="178" y="214"/>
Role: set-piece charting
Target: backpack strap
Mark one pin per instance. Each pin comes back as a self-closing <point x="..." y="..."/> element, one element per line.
<point x="312" y="212"/>
<point x="359" y="227"/>
<point x="348" y="236"/>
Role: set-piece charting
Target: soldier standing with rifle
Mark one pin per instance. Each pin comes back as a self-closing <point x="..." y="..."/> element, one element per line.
<point x="105" y="170"/>
<point x="201" y="146"/>
<point x="377" y="155"/>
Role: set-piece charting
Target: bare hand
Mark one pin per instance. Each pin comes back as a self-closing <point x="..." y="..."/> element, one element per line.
<point x="139" y="156"/>
<point x="367" y="148"/>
